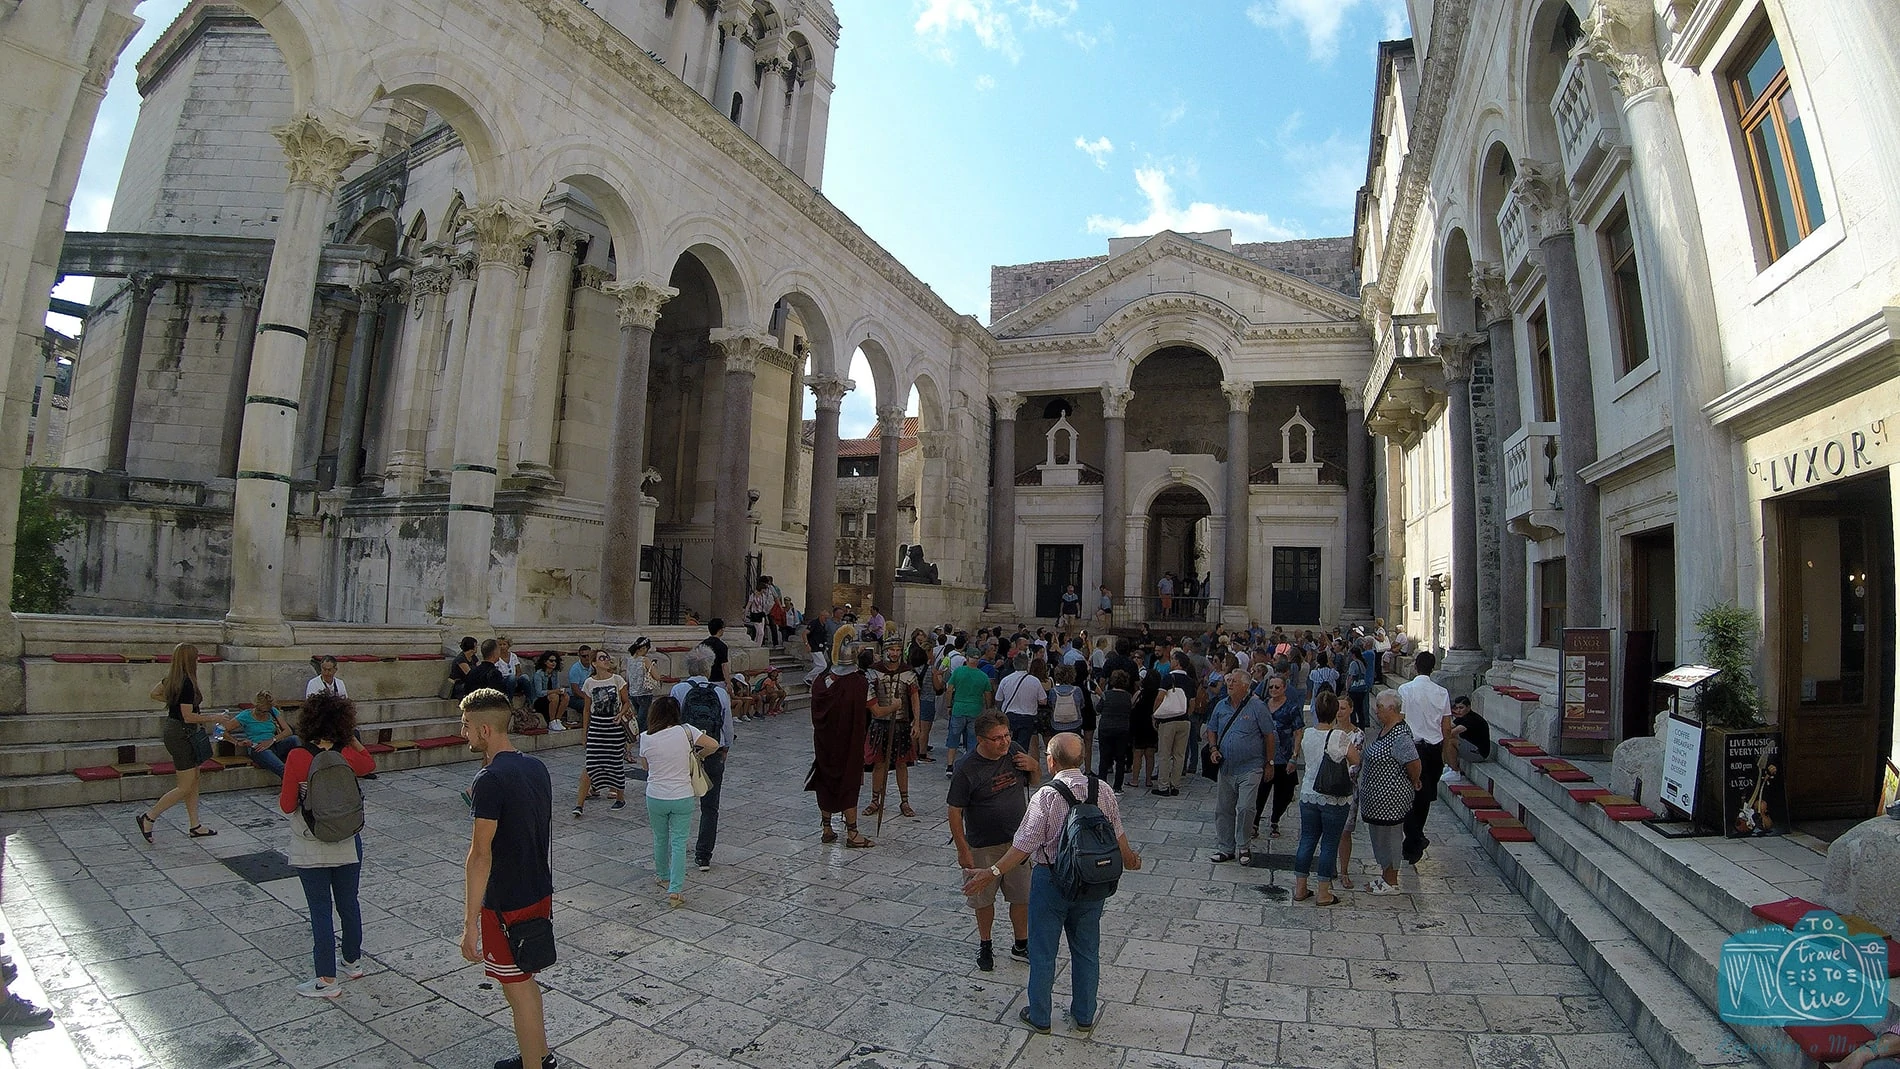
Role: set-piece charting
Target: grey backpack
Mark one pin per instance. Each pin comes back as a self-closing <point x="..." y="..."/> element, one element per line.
<point x="332" y="800"/>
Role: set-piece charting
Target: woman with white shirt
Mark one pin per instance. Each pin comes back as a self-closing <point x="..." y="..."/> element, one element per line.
<point x="668" y="747"/>
<point x="1322" y="816"/>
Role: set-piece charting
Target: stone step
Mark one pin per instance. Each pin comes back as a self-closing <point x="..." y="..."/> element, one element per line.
<point x="58" y="688"/>
<point x="63" y="789"/>
<point x="83" y="728"/>
<point x="1670" y="1020"/>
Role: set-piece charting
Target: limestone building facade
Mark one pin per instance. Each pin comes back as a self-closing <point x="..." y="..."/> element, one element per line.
<point x="1184" y="408"/>
<point x="1628" y="268"/>
<point x="403" y="323"/>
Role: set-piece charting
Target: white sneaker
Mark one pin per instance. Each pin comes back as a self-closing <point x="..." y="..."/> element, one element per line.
<point x="354" y="969"/>
<point x="1378" y="886"/>
<point x="319" y="988"/>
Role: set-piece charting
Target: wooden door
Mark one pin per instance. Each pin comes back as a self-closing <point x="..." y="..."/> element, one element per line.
<point x="1057" y="569"/>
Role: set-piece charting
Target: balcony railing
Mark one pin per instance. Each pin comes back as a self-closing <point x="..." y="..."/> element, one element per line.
<point x="1533" y="469"/>
<point x="1588" y="129"/>
<point x="1514" y="229"/>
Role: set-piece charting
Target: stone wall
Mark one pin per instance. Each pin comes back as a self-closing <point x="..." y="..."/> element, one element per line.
<point x="1326" y="262"/>
<point x="1014" y="285"/>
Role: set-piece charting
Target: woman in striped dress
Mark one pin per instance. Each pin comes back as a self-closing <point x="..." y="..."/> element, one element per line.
<point x="604" y="712"/>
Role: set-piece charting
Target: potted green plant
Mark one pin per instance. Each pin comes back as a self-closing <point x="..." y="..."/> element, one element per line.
<point x="1739" y="752"/>
<point x="1730" y="700"/>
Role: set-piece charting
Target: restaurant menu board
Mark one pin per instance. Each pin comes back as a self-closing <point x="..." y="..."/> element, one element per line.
<point x="1754" y="797"/>
<point x="1586" y="683"/>
<point x="1682" y="757"/>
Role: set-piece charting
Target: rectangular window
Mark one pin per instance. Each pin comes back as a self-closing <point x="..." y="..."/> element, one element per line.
<point x="1544" y="370"/>
<point x="857" y="467"/>
<point x="870" y="525"/>
<point x="1787" y="196"/>
<point x="1626" y="292"/>
<point x="1415" y="592"/>
<point x="844" y="576"/>
<point x="848" y="524"/>
<point x="1551" y="602"/>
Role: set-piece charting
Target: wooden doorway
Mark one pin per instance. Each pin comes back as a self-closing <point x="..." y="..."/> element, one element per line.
<point x="1057" y="569"/>
<point x="1649" y="642"/>
<point x="1835" y="630"/>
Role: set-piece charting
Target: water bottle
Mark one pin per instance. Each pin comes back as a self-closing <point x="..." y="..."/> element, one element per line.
<point x="217" y="733"/>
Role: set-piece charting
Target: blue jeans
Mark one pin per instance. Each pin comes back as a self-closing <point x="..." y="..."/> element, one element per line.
<point x="671" y="820"/>
<point x="640" y="706"/>
<point x="1233" y="806"/>
<point x="1320" y="827"/>
<point x="1196" y="724"/>
<point x="321" y="887"/>
<point x="709" y="807"/>
<point x="1021" y="728"/>
<point x="1050" y="915"/>
<point x="269" y="759"/>
<point x="962" y="734"/>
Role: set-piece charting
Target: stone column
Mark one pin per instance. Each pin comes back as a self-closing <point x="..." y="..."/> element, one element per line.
<point x="1003" y="504"/>
<point x="1358" y="562"/>
<point x="1234" y="592"/>
<point x="428" y="289"/>
<point x="639" y="303"/>
<point x="320" y="363"/>
<point x="547" y="351"/>
<point x="1576" y="392"/>
<point x="1115" y="490"/>
<point x="1681" y="319"/>
<point x="131" y="347"/>
<point x="349" y="448"/>
<point x="447" y="414"/>
<point x="317" y="153"/>
<point x="821" y="549"/>
<point x="1494" y="308"/>
<point x="43" y="416"/>
<point x="732" y="531"/>
<point x="250" y="295"/>
<point x="890" y="426"/>
<point x="1454" y="352"/>
<point x="678" y="49"/>
<point x="794" y="440"/>
<point x="732" y="24"/>
<point x="503" y="229"/>
<point x="770" y="109"/>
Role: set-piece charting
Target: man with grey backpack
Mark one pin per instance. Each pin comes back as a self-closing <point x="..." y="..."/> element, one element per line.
<point x="1073" y="832"/>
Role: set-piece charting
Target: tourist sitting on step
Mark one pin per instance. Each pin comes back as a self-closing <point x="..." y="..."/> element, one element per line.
<point x="1880" y="1052"/>
<point x="326" y="681"/>
<point x="266" y="739"/>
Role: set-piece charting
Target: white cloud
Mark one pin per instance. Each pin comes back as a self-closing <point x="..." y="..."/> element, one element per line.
<point x="1175" y="114"/>
<point x="1196" y="217"/>
<point x="994" y="24"/>
<point x="1322" y="21"/>
<point x="1098" y="149"/>
<point x="985" y="83"/>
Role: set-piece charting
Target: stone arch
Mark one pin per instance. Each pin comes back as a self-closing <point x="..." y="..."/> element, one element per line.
<point x="806" y="294"/>
<point x="1457" y="306"/>
<point x="872" y="338"/>
<point x="713" y="243"/>
<point x="464" y="95"/>
<point x="600" y="174"/>
<point x="452" y="219"/>
<point x="289" y="27"/>
<point x="1143" y="497"/>
<point x="1177" y="404"/>
<point x="1540" y="64"/>
<point x="1497" y="168"/>
<point x="417" y="234"/>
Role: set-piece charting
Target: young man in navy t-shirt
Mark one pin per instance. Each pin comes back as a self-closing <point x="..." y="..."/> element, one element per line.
<point x="510" y="867"/>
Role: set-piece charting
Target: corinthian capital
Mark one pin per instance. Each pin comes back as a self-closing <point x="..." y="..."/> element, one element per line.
<point x="1239" y="395"/>
<point x="890" y="420"/>
<point x="1115" y="402"/>
<point x="740" y="348"/>
<point x="1454" y="352"/>
<point x="1494" y="298"/>
<point x="318" y="152"/>
<point x="1007" y="404"/>
<point x="829" y="390"/>
<point x="638" y="301"/>
<point x="503" y="228"/>
<point x="1545" y="197"/>
<point x="1622" y="36"/>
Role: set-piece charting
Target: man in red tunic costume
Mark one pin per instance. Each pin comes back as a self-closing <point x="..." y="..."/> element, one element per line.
<point x="840" y="710"/>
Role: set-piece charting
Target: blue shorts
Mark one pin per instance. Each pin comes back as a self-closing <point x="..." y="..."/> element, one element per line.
<point x="927" y="706"/>
<point x="962" y="733"/>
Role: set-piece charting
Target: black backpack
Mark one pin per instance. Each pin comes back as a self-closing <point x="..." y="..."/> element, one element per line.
<point x="1088" y="863"/>
<point x="702" y="710"/>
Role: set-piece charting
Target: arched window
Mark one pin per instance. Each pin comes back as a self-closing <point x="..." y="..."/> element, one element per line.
<point x="738" y="105"/>
<point x="1057" y="408"/>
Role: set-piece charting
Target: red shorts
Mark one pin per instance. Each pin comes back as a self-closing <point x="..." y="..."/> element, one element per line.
<point x="498" y="960"/>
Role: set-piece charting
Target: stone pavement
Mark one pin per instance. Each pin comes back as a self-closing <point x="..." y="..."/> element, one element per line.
<point x="789" y="953"/>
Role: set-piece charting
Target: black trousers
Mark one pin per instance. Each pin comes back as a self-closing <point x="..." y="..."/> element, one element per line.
<point x="715" y="765"/>
<point x="1431" y="760"/>
<point x="1113" y="754"/>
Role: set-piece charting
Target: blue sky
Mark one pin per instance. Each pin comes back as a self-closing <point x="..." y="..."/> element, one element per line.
<point x="966" y="133"/>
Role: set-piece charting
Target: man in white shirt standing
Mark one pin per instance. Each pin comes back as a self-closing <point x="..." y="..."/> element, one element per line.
<point x="1427" y="709"/>
<point x="1021" y="695"/>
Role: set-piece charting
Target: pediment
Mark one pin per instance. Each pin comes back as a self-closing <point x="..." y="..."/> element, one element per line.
<point x="1182" y="269"/>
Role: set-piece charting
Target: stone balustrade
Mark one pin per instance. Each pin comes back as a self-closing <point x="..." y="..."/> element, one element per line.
<point x="1588" y="129"/>
<point x="1514" y="230"/>
<point x="1532" y="466"/>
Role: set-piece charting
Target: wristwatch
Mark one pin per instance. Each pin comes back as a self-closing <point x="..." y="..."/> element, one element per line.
<point x="996" y="872"/>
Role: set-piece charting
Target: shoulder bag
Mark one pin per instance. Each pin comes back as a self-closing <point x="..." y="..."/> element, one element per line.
<point x="1333" y="777"/>
<point x="697" y="769"/>
<point x="1173" y="704"/>
<point x="530" y="942"/>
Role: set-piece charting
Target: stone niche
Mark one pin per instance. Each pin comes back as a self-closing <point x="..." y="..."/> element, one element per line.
<point x="1062" y="463"/>
<point x="1299" y="464"/>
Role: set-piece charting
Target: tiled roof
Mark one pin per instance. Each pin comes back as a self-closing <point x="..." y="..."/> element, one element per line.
<point x="868" y="445"/>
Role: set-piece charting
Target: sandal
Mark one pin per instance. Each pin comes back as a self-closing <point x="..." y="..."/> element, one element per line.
<point x="675" y="901"/>
<point x="829" y="836"/>
<point x="904" y="809"/>
<point x="876" y="806"/>
<point x="1302" y="896"/>
<point x="146" y="824"/>
<point x="1346" y="882"/>
<point x="1221" y="858"/>
<point x="1333" y="901"/>
<point x="1245" y="859"/>
<point x="199" y="831"/>
<point x="853" y="840"/>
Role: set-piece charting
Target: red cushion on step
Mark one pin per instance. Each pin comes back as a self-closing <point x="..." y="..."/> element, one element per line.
<point x="533" y="731"/>
<point x="1479" y="801"/>
<point x="440" y="741"/>
<point x="1494" y="816"/>
<point x="1465" y="788"/>
<point x="1518" y="834"/>
<point x="1588" y="794"/>
<point x="378" y="748"/>
<point x="208" y="658"/>
<point x="1550" y="762"/>
<point x="213" y="765"/>
<point x="163" y="768"/>
<point x="1514" y="742"/>
<point x="420" y="657"/>
<point x="1787" y="912"/>
<point x="93" y="773"/>
<point x="357" y="658"/>
<point x="1828" y="1042"/>
<point x="1628" y="812"/>
<point x="1570" y="775"/>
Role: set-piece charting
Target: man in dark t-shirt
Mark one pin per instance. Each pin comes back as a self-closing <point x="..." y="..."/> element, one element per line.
<point x="487" y="673"/>
<point x="717" y="645"/>
<point x="510" y="874"/>
<point x="989" y="792"/>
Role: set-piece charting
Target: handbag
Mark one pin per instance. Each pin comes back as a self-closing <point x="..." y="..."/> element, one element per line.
<point x="1333" y="777"/>
<point x="530" y="942"/>
<point x="1173" y="704"/>
<point x="200" y="740"/>
<point x="1210" y="765"/>
<point x="697" y="770"/>
<point x="447" y="689"/>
